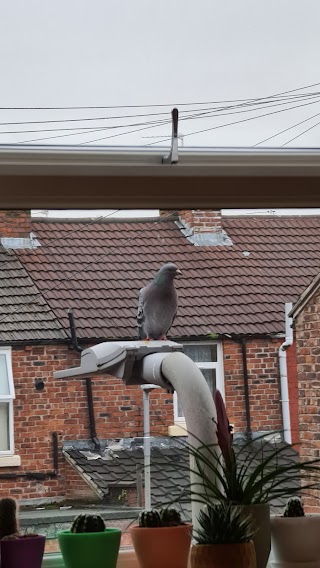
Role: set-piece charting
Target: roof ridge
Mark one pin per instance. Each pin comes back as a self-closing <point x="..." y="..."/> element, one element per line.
<point x="91" y="220"/>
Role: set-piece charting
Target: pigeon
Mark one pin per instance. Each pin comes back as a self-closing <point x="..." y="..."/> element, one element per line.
<point x="157" y="305"/>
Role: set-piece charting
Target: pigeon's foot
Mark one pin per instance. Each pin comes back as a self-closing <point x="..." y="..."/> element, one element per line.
<point x="163" y="338"/>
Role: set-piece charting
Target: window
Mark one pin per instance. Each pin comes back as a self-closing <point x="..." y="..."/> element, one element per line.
<point x="6" y="403"/>
<point x="208" y="357"/>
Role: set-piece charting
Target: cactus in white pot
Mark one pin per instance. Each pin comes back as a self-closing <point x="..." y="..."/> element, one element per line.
<point x="295" y="537"/>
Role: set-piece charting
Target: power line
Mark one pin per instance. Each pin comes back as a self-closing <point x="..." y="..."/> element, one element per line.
<point x="286" y="129"/>
<point x="152" y="105"/>
<point x="197" y="132"/>
<point x="88" y="130"/>
<point x="246" y="102"/>
<point x="298" y="136"/>
<point x="239" y="121"/>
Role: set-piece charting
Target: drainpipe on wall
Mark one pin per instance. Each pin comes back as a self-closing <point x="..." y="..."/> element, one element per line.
<point x="92" y="419"/>
<point x="246" y="387"/>
<point x="284" y="375"/>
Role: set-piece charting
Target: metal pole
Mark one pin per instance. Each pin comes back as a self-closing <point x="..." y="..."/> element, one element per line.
<point x="146" y="434"/>
<point x="146" y="438"/>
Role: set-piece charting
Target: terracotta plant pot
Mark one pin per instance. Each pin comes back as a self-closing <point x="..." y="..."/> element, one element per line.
<point x="26" y="551"/>
<point x="162" y="547"/>
<point x="223" y="555"/>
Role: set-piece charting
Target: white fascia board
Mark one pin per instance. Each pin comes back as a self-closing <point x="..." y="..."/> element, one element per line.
<point x="138" y="161"/>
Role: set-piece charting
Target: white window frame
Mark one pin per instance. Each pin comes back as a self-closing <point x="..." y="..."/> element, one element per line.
<point x="217" y="365"/>
<point x="9" y="398"/>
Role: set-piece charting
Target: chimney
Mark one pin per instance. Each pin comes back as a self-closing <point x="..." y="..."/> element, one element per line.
<point x="15" y="228"/>
<point x="202" y="227"/>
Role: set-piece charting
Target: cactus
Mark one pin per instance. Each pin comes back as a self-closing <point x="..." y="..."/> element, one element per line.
<point x="166" y="517"/>
<point x="294" y="508"/>
<point x="170" y="517"/>
<point x="149" y="519"/>
<point x="8" y="518"/>
<point x="88" y="523"/>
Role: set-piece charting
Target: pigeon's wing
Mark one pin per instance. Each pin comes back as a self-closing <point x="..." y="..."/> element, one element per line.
<point x="140" y="315"/>
<point x="172" y="320"/>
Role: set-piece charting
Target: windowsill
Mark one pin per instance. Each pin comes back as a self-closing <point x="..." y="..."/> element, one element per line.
<point x="178" y="429"/>
<point x="126" y="559"/>
<point x="10" y="461"/>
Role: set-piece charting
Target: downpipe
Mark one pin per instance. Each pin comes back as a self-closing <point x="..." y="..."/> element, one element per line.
<point x="284" y="388"/>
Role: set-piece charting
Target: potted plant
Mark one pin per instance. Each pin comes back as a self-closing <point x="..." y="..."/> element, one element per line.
<point x="17" y="549"/>
<point x="161" y="539"/>
<point x="224" y="538"/>
<point x="295" y="537"/>
<point x="253" y="482"/>
<point x="89" y="543"/>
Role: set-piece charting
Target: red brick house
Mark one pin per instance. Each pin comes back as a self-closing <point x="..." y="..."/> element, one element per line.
<point x="306" y="314"/>
<point x="238" y="274"/>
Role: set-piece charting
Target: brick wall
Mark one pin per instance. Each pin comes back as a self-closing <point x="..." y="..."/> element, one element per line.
<point x="293" y="393"/>
<point x="263" y="380"/>
<point x="15" y="223"/>
<point x="199" y="220"/>
<point x="307" y="332"/>
<point x="62" y="407"/>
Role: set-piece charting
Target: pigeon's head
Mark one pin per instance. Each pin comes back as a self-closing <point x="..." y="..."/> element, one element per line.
<point x="169" y="271"/>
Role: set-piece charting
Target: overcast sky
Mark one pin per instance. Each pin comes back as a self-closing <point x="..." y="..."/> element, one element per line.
<point x="145" y="52"/>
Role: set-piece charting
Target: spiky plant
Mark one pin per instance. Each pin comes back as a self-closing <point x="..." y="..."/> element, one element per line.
<point x="223" y="523"/>
<point x="294" y="508"/>
<point x="149" y="519"/>
<point x="8" y="518"/>
<point x="222" y="474"/>
<point x="170" y="517"/>
<point x="88" y="524"/>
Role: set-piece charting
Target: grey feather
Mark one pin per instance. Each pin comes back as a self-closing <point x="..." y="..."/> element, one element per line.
<point x="157" y="304"/>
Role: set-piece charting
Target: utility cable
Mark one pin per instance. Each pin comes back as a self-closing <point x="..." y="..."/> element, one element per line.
<point x="88" y="130"/>
<point x="286" y="130"/>
<point x="193" y="118"/>
<point x="237" y="122"/>
<point x="301" y="134"/>
<point x="144" y="115"/>
<point x="154" y="105"/>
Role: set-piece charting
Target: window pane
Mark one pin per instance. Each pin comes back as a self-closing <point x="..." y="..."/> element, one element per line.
<point x="201" y="353"/>
<point x="4" y="427"/>
<point x="4" y="382"/>
<point x="210" y="376"/>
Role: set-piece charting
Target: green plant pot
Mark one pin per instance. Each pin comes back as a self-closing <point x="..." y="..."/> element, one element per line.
<point x="94" y="550"/>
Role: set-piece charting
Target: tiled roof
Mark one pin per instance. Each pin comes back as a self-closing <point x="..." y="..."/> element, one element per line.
<point x="24" y="314"/>
<point x="167" y="478"/>
<point x="169" y="466"/>
<point x="98" y="268"/>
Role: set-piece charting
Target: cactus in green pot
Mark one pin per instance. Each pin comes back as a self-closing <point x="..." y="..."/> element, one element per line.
<point x="88" y="524"/>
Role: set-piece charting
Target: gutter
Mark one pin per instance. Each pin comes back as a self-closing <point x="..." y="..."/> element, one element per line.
<point x="49" y="160"/>
<point x="284" y="375"/>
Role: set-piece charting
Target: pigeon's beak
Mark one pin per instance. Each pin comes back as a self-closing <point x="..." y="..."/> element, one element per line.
<point x="178" y="273"/>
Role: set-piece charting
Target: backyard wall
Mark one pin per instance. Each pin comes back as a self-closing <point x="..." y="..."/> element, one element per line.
<point x="62" y="407"/>
<point x="307" y="332"/>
